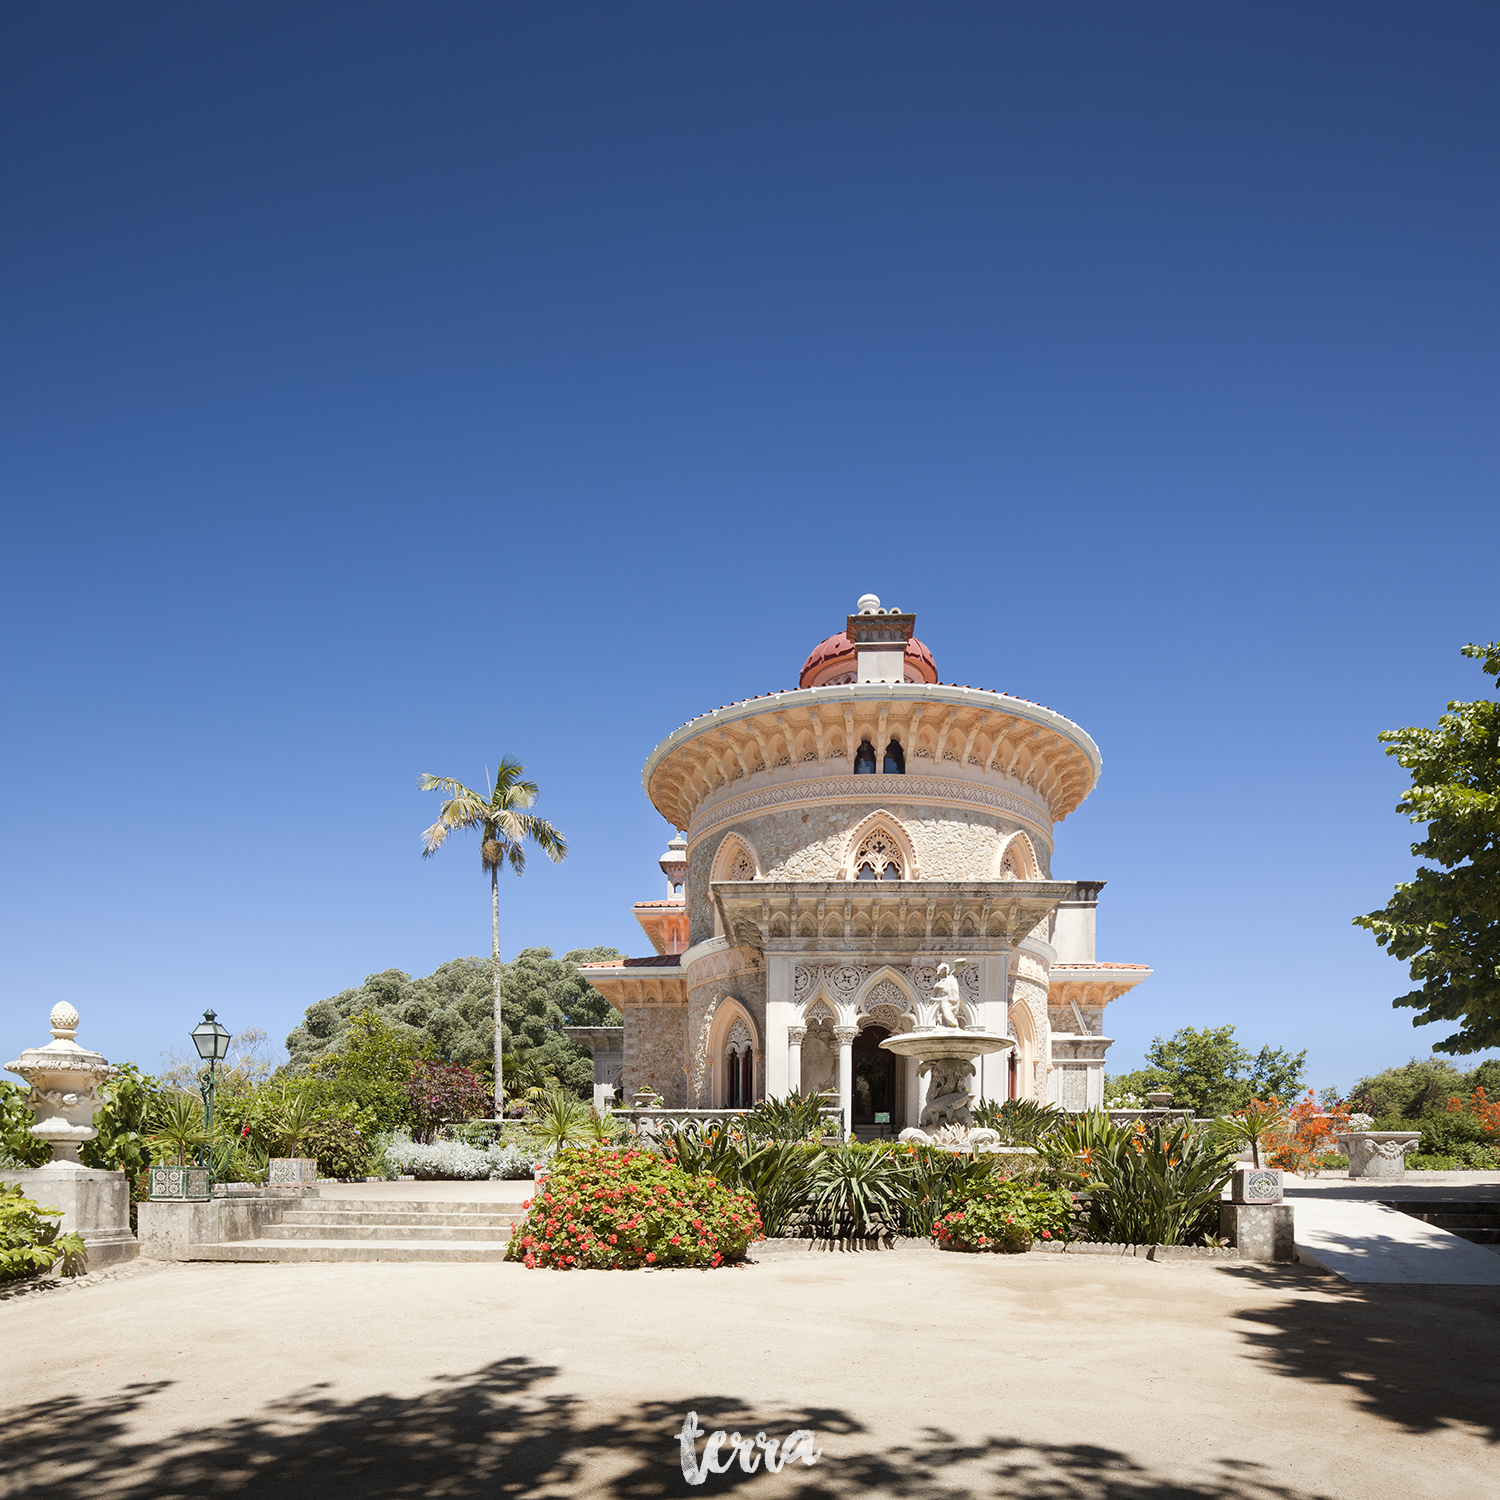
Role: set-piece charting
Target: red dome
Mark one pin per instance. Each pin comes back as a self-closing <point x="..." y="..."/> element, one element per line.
<point x="838" y="652"/>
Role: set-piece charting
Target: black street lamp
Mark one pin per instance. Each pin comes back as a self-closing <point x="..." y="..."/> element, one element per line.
<point x="212" y="1042"/>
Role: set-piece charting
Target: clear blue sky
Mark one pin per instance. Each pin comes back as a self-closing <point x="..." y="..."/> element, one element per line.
<point x="386" y="387"/>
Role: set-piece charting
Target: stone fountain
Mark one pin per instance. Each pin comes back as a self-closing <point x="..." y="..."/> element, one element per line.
<point x="947" y="1053"/>
<point x="65" y="1081"/>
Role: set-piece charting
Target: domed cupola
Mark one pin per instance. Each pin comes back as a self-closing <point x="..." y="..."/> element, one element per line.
<point x="836" y="660"/>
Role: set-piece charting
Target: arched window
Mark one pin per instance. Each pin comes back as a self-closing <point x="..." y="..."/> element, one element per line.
<point x="739" y="1069"/>
<point x="864" y="759"/>
<point x="895" y="758"/>
<point x="878" y="857"/>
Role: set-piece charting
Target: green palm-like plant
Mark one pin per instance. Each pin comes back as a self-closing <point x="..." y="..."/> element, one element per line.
<point x="1019" y="1122"/>
<point x="177" y="1126"/>
<point x="504" y="827"/>
<point x="557" y="1119"/>
<point x="793" y="1118"/>
<point x="1155" y="1187"/>
<point x="295" y="1116"/>
<point x="1260" y="1120"/>
<point x="855" y="1188"/>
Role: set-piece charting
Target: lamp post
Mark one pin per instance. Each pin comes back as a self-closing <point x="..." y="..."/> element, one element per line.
<point x="212" y="1042"/>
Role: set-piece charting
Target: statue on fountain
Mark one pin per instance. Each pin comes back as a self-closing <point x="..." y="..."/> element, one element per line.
<point x="949" y="1098"/>
<point x="945" y="996"/>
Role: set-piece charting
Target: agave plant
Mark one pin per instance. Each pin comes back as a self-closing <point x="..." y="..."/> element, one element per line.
<point x="177" y="1126"/>
<point x="850" y="1190"/>
<point x="1155" y="1187"/>
<point x="557" y="1119"/>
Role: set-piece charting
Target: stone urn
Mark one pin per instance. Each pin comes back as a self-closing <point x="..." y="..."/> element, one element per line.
<point x="1378" y="1153"/>
<point x="65" y="1080"/>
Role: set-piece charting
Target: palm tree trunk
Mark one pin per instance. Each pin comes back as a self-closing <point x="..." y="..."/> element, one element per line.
<point x="495" y="977"/>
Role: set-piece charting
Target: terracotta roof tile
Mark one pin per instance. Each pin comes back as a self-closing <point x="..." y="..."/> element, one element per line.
<point x="655" y="961"/>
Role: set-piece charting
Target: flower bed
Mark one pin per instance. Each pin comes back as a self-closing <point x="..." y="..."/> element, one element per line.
<point x="612" y="1209"/>
<point x="1004" y="1217"/>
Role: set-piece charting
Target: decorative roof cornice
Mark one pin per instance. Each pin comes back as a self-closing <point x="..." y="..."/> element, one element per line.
<point x="983" y="737"/>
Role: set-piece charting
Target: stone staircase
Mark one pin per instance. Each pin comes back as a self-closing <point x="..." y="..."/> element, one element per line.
<point x="348" y="1229"/>
<point x="1475" y="1220"/>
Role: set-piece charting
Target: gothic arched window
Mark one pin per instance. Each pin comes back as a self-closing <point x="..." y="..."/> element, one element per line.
<point x="878" y="857"/>
<point x="739" y="1069"/>
<point x="895" y="758"/>
<point x="864" y="759"/>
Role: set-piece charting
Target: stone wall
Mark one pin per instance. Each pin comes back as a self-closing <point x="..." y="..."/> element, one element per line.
<point x="655" y="1038"/>
<point x="808" y="843"/>
<point x="703" y="1008"/>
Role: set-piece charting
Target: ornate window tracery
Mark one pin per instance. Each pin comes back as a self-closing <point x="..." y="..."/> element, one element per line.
<point x="739" y="1068"/>
<point x="878" y="856"/>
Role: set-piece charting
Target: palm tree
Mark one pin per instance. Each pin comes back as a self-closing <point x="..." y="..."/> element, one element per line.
<point x="504" y="825"/>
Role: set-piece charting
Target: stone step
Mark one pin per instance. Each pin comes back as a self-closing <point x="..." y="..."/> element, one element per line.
<point x="405" y="1206"/>
<point x="1476" y="1222"/>
<point x="396" y="1233"/>
<point x="337" y="1217"/>
<point x="413" y="1251"/>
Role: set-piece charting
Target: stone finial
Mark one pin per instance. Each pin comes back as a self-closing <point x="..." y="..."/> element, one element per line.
<point x="869" y="604"/>
<point x="64" y="1022"/>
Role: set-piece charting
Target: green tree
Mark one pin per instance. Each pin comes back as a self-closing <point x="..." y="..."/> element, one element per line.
<point x="1210" y="1073"/>
<point x="1446" y="923"/>
<point x="1424" y="1083"/>
<point x="504" y="827"/>
<point x="447" y="1014"/>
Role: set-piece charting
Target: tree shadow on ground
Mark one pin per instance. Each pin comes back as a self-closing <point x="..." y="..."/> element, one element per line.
<point x="496" y="1433"/>
<point x="1423" y="1357"/>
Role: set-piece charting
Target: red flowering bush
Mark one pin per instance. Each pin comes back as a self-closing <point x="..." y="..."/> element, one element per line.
<point x="1004" y="1216"/>
<point x="618" y="1209"/>
<point x="1308" y="1135"/>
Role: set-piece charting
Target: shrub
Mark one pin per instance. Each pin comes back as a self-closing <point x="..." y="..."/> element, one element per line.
<point x="340" y="1148"/>
<point x="1155" y="1187"/>
<point x="124" y="1123"/>
<point x="1308" y="1135"/>
<point x="443" y="1092"/>
<point x="18" y="1147"/>
<point x="1019" y="1122"/>
<point x="1003" y="1216"/>
<point x="439" y="1161"/>
<point x="852" y="1192"/>
<point x="619" y="1209"/>
<point x="28" y="1243"/>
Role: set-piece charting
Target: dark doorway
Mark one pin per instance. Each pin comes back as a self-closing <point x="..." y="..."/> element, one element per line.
<point x="875" y="1101"/>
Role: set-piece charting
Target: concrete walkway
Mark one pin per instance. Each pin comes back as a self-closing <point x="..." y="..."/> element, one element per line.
<point x="1365" y="1242"/>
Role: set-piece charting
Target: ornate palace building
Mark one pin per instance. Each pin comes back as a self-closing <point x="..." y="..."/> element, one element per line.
<point x="837" y="843"/>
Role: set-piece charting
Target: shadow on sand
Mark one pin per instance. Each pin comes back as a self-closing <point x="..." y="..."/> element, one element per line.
<point x="493" y="1433"/>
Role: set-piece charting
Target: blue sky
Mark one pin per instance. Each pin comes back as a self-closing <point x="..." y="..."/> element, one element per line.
<point x="384" y="388"/>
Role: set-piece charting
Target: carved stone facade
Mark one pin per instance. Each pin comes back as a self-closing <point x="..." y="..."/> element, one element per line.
<point x="842" y="840"/>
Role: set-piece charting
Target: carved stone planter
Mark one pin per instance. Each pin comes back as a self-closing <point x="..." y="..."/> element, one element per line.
<point x="187" y="1183"/>
<point x="1256" y="1185"/>
<point x="1378" y="1153"/>
<point x="291" y="1171"/>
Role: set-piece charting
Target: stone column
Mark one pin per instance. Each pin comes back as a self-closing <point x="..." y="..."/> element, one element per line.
<point x="781" y="1013"/>
<point x="993" y="1070"/>
<point x="845" y="1037"/>
<point x="794" y="1036"/>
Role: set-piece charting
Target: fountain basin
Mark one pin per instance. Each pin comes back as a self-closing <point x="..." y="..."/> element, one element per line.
<point x="945" y="1041"/>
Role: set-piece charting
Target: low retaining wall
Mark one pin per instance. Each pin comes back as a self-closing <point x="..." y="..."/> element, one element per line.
<point x="167" y="1228"/>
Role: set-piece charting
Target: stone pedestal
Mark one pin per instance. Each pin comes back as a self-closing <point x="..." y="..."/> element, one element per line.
<point x="1256" y="1185"/>
<point x="1378" y="1153"/>
<point x="94" y="1204"/>
<point x="1260" y="1232"/>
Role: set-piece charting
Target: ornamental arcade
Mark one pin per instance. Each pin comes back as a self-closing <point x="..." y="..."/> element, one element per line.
<point x="837" y="843"/>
